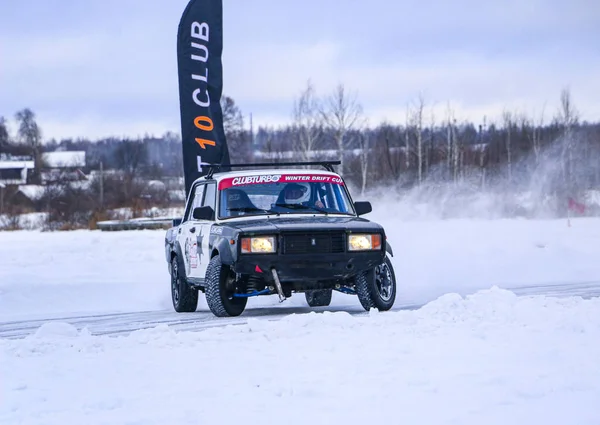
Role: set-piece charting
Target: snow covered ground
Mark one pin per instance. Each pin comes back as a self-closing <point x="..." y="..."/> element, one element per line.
<point x="94" y="272"/>
<point x="491" y="358"/>
<point x="459" y="348"/>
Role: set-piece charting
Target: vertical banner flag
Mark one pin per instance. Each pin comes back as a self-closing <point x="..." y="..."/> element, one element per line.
<point x="200" y="70"/>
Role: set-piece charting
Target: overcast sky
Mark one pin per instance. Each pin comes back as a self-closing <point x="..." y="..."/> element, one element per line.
<point x="96" y="68"/>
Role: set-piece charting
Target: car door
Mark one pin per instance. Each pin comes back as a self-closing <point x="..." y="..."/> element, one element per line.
<point x="203" y="231"/>
<point x="187" y="237"/>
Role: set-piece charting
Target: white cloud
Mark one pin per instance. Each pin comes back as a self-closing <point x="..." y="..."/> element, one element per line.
<point x="115" y="73"/>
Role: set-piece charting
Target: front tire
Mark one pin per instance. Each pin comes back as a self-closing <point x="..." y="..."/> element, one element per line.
<point x="318" y="298"/>
<point x="219" y="290"/>
<point x="184" y="297"/>
<point x="376" y="288"/>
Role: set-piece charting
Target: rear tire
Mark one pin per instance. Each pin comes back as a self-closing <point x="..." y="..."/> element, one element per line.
<point x="376" y="288"/>
<point x="184" y="297"/>
<point x="219" y="293"/>
<point x="318" y="298"/>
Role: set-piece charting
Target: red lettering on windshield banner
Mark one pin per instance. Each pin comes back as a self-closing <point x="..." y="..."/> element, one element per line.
<point x="278" y="178"/>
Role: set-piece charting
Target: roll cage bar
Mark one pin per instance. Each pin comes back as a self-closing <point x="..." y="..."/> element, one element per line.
<point x="328" y="165"/>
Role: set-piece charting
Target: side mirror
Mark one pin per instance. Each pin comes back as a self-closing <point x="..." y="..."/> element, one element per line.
<point x="176" y="222"/>
<point x="362" y="207"/>
<point x="204" y="213"/>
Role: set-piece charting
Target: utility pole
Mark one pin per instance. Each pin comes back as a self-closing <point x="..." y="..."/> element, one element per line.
<point x="252" y="148"/>
<point x="251" y="131"/>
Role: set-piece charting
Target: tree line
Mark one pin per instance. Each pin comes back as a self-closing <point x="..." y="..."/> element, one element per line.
<point x="555" y="152"/>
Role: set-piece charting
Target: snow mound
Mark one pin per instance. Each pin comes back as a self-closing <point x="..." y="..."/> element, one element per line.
<point x="56" y="330"/>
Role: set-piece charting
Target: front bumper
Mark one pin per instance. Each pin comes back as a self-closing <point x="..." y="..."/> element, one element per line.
<point x="308" y="267"/>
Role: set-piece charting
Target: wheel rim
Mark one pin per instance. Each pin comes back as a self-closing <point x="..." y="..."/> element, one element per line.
<point x="383" y="282"/>
<point x="175" y="283"/>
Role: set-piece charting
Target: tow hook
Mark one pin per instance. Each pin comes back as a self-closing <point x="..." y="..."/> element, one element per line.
<point x="278" y="285"/>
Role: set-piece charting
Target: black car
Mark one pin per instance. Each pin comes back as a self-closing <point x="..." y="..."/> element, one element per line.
<point x="279" y="231"/>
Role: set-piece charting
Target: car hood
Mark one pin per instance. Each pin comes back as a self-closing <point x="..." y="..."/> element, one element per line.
<point x="304" y="223"/>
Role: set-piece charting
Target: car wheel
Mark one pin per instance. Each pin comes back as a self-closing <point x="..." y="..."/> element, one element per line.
<point x="184" y="297"/>
<point x="376" y="288"/>
<point x="219" y="290"/>
<point x="318" y="298"/>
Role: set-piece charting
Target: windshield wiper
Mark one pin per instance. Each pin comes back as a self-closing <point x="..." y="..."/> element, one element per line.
<point x="252" y="209"/>
<point x="301" y="207"/>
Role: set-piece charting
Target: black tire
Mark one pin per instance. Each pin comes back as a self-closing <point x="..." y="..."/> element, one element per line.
<point x="219" y="298"/>
<point x="376" y="288"/>
<point x="184" y="297"/>
<point x="318" y="298"/>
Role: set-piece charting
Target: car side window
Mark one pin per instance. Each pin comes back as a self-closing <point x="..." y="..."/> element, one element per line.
<point x="196" y="200"/>
<point x="210" y="196"/>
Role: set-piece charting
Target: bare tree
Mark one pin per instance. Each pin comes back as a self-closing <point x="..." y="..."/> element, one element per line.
<point x="418" y="128"/>
<point x="536" y="136"/>
<point x="364" y="142"/>
<point x="568" y="117"/>
<point x="388" y="141"/>
<point x="273" y="151"/>
<point x="30" y="134"/>
<point x="233" y="121"/>
<point x="341" y="113"/>
<point x="307" y="124"/>
<point x="483" y="150"/>
<point x="238" y="139"/>
<point x="430" y="142"/>
<point x="4" y="136"/>
<point x="130" y="156"/>
<point x="508" y="121"/>
<point x="455" y="150"/>
<point x="449" y="139"/>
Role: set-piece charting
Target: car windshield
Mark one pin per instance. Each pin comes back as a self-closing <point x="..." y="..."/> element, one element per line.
<point x="283" y="194"/>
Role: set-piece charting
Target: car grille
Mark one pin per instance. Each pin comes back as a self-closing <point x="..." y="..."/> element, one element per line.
<point x="313" y="243"/>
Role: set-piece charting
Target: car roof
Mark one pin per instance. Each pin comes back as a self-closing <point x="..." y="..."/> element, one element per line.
<point x="269" y="171"/>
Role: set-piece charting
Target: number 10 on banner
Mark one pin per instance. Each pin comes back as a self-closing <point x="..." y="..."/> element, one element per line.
<point x="204" y="123"/>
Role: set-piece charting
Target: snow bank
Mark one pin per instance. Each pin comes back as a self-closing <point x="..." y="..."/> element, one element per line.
<point x="29" y="221"/>
<point x="490" y="358"/>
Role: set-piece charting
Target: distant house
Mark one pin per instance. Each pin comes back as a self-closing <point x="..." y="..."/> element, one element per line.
<point x="14" y="170"/>
<point x="63" y="165"/>
<point x="27" y="197"/>
<point x="55" y="165"/>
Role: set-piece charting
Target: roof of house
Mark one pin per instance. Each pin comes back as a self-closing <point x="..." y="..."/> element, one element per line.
<point x="32" y="191"/>
<point x="15" y="165"/>
<point x="64" y="159"/>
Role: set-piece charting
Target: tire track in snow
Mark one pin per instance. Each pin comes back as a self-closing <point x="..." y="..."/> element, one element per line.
<point x="124" y="323"/>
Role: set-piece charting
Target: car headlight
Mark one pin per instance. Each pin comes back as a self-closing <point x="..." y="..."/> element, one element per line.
<point x="364" y="242"/>
<point x="258" y="245"/>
